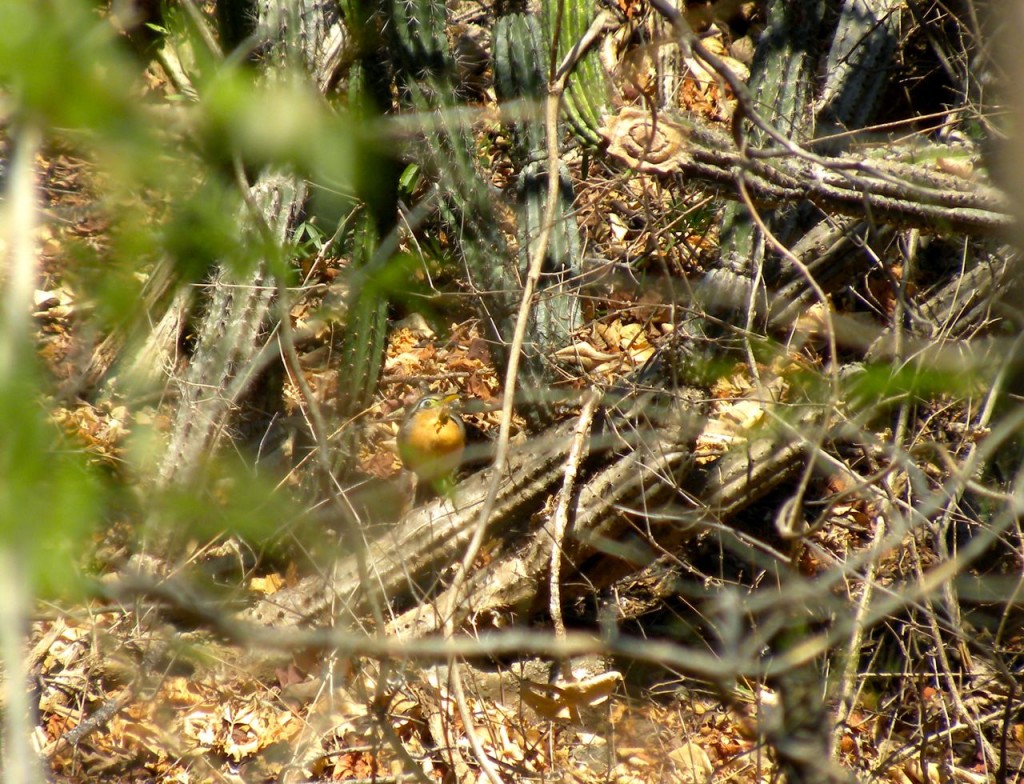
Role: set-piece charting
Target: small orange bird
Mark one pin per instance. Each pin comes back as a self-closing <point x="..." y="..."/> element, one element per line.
<point x="431" y="440"/>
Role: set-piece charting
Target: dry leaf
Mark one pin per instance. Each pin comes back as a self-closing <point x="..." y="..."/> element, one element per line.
<point x="268" y="585"/>
<point x="691" y="764"/>
<point x="565" y="699"/>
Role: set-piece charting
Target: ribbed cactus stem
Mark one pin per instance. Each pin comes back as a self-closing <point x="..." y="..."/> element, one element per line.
<point x="519" y="53"/>
<point x="586" y="97"/>
<point x="417" y="28"/>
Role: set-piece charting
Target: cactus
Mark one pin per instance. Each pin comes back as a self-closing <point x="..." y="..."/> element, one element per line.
<point x="858" y="63"/>
<point x="557" y="313"/>
<point x="364" y="341"/>
<point x="586" y="97"/>
<point x="376" y="183"/>
<point x="467" y="198"/>
<point x="782" y="77"/>
<point x="518" y="52"/>
<point x="420" y="43"/>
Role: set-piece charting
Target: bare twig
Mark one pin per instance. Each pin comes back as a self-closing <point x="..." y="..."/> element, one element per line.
<point x="560" y="517"/>
<point x="552" y="105"/>
<point x="551" y="110"/>
<point x="102" y="715"/>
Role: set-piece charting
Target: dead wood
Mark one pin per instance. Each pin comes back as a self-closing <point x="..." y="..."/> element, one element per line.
<point x="641" y="486"/>
<point x="890" y="189"/>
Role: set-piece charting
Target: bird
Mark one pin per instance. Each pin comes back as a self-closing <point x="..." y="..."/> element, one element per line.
<point x="431" y="440"/>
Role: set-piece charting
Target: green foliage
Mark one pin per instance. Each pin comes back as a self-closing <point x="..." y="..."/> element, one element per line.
<point x="167" y="179"/>
<point x="196" y="236"/>
<point x="519" y="54"/>
<point x="50" y="500"/>
<point x="410" y="181"/>
<point x="235" y="499"/>
<point x="880" y="385"/>
<point x="281" y="123"/>
<point x="61" y="67"/>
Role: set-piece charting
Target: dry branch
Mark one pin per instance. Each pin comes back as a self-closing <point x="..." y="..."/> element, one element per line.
<point x="889" y="190"/>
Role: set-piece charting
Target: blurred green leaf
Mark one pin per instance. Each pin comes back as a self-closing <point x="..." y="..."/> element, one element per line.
<point x="877" y="384"/>
<point x="410" y="180"/>
<point x="50" y="499"/>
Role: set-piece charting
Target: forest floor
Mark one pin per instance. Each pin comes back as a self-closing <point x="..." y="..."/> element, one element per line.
<point x="130" y="691"/>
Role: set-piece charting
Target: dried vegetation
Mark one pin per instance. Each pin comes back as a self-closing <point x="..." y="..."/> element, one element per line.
<point x="767" y="419"/>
